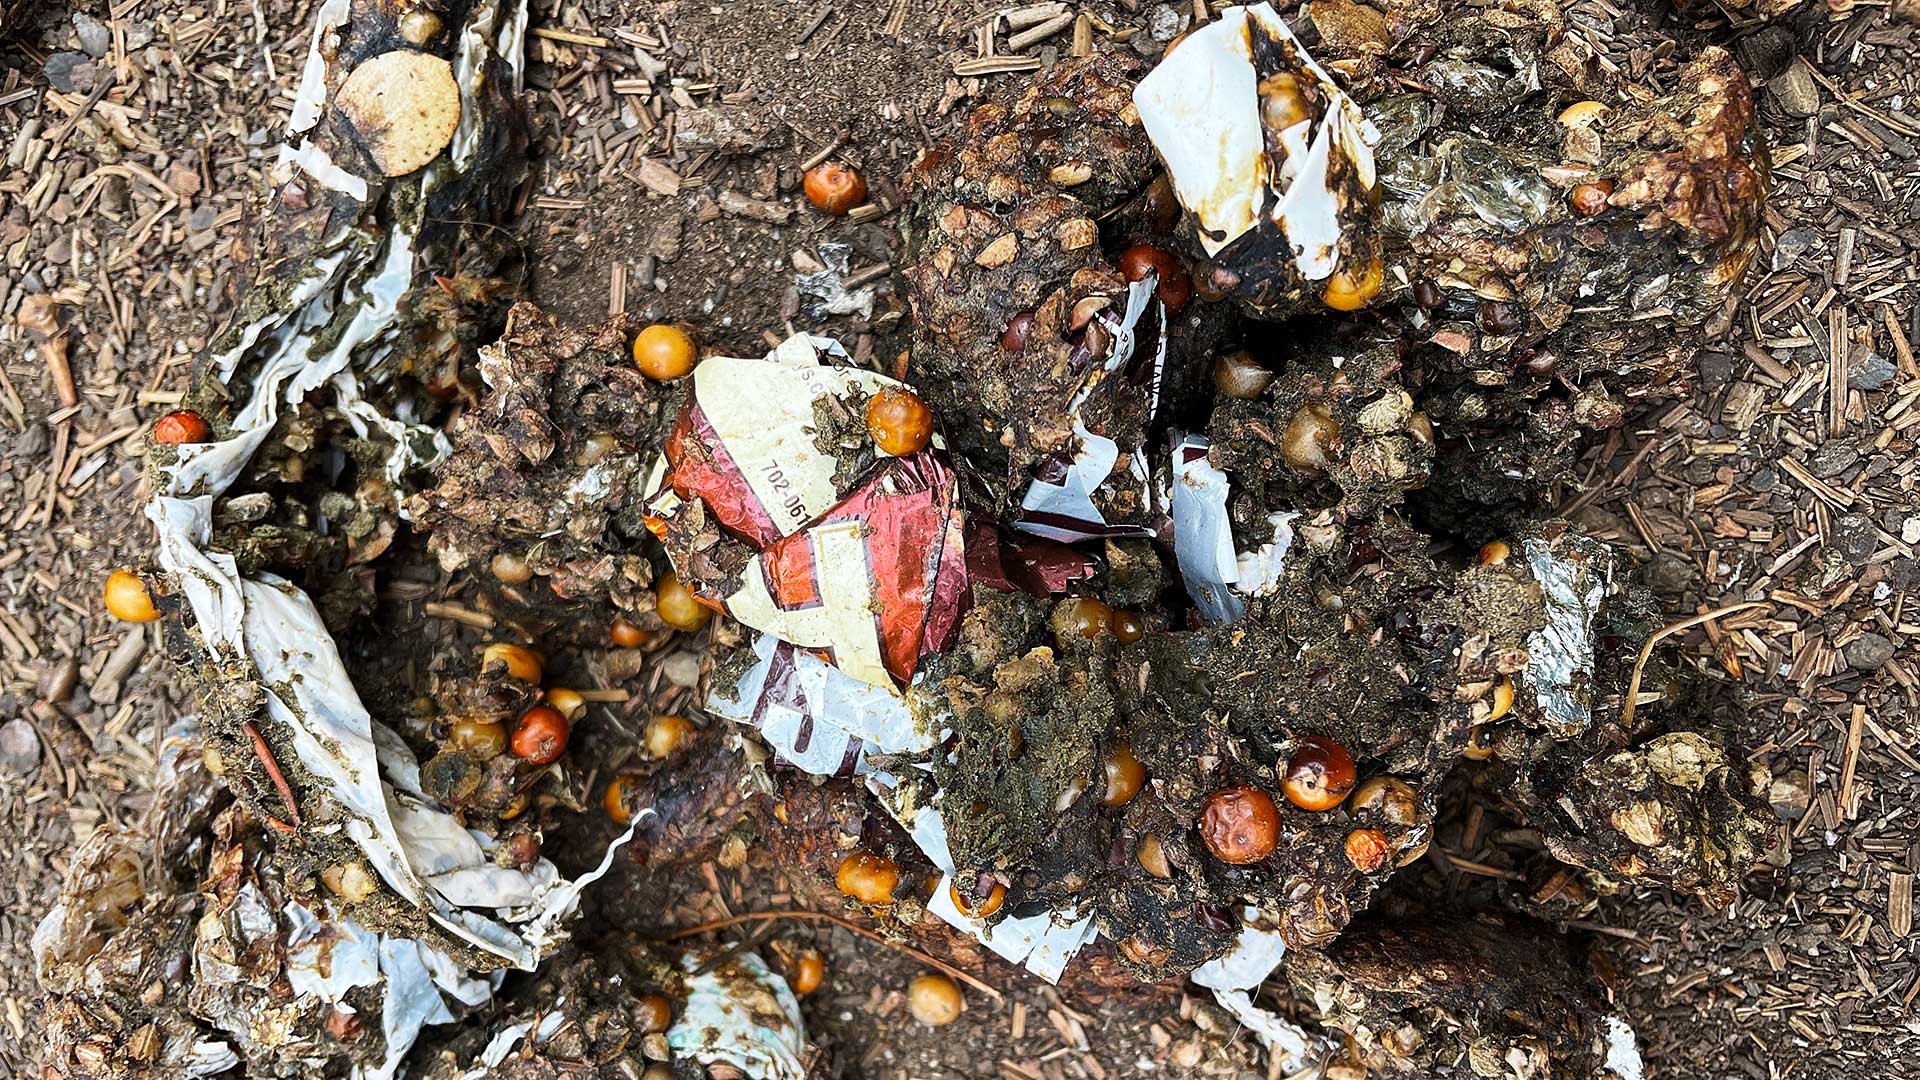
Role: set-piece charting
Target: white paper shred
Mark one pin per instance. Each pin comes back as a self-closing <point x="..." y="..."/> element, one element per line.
<point x="741" y="1014"/>
<point x="1043" y="944"/>
<point x="1202" y="534"/>
<point x="1235" y="977"/>
<point x="343" y="306"/>
<point x="1201" y="109"/>
<point x="1217" y="576"/>
<point x="815" y="716"/>
<point x="1059" y="505"/>
<point x="1623" y="1050"/>
<point x="1560" y="654"/>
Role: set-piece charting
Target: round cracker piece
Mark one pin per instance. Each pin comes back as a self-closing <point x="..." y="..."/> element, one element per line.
<point x="404" y="106"/>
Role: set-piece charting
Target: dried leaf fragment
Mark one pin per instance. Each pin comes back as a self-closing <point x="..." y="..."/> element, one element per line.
<point x="404" y="106"/>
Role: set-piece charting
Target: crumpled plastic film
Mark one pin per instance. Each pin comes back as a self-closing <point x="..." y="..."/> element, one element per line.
<point x="1272" y="157"/>
<point x="334" y="316"/>
<point x="739" y="1013"/>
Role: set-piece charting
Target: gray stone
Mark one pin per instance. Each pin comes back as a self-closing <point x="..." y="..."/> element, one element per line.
<point x="728" y="129"/>
<point x="1853" y="537"/>
<point x="1832" y="459"/>
<point x="69" y="72"/>
<point x="682" y="669"/>
<point x="31" y="444"/>
<point x="1868" y="652"/>
<point x="95" y="38"/>
<point x="1870" y="371"/>
<point x="1670" y="575"/>
<point x="19" y="747"/>
<point x="1792" y="244"/>
<point x="1795" y="91"/>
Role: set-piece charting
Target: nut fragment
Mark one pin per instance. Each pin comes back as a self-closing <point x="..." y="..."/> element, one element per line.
<point x="1367" y="849"/>
<point x="404" y="106"/>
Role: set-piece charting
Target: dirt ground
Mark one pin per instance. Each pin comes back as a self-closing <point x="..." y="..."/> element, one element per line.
<point x="134" y="143"/>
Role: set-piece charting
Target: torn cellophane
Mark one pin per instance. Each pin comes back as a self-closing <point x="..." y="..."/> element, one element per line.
<point x="1270" y="156"/>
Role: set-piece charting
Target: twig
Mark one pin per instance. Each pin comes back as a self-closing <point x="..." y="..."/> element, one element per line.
<point x="844" y="924"/>
<point x="1655" y="638"/>
<point x="261" y="751"/>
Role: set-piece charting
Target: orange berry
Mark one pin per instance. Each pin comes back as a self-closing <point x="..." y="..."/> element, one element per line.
<point x="806" y="971"/>
<point x="653" y="1013"/>
<point x="1153" y="857"/>
<point x="663" y="352"/>
<point x="127" y="598"/>
<point x="184" y="426"/>
<point x="981" y="908"/>
<point x="626" y="635"/>
<point x="868" y="878"/>
<point x="1319" y="775"/>
<point x="899" y="422"/>
<point x="1240" y="825"/>
<point x="570" y="702"/>
<point x="1125" y="776"/>
<point x="1175" y="286"/>
<point x="1493" y="553"/>
<point x="1081" y="616"/>
<point x="1348" y="291"/>
<point x="484" y="739"/>
<point x="835" y="187"/>
<point x="678" y="607"/>
<point x="615" y="799"/>
<point x="541" y="735"/>
<point x="1590" y="200"/>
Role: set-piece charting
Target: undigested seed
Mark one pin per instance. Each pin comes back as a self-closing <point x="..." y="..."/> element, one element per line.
<point x="1319" y="775"/>
<point x="834" y="187"/>
<point x="899" y="422"/>
<point x="678" y="607"/>
<point x="126" y="598"/>
<point x="1240" y="825"/>
<point x="868" y="878"/>
<point x="541" y="736"/>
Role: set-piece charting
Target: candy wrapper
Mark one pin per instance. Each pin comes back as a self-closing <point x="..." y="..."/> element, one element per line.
<point x="1270" y="157"/>
<point x="776" y="508"/>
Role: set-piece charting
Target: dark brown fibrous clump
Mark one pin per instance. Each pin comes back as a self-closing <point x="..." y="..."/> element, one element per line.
<point x="549" y="469"/>
<point x="1419" y="991"/>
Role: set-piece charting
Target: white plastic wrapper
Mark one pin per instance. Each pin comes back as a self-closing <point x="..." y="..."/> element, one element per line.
<point x="1201" y="108"/>
<point x="1216" y="575"/>
<point x="1043" y="944"/>
<point x="815" y="716"/>
<point x="741" y="1014"/>
<point x="1560" y="654"/>
<point x="1058" y="503"/>
<point x="1623" y="1050"/>
<point x="1236" y="977"/>
<point x="347" y="301"/>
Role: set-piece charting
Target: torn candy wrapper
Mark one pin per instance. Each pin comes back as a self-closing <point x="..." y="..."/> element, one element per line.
<point x="863" y="567"/>
<point x="1273" y="159"/>
<point x="815" y="716"/>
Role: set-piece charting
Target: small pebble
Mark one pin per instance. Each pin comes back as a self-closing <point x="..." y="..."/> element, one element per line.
<point x="682" y="669"/>
<point x="1870" y="371"/>
<point x="1868" y="652"/>
<point x="95" y="38"/>
<point x="19" y="748"/>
